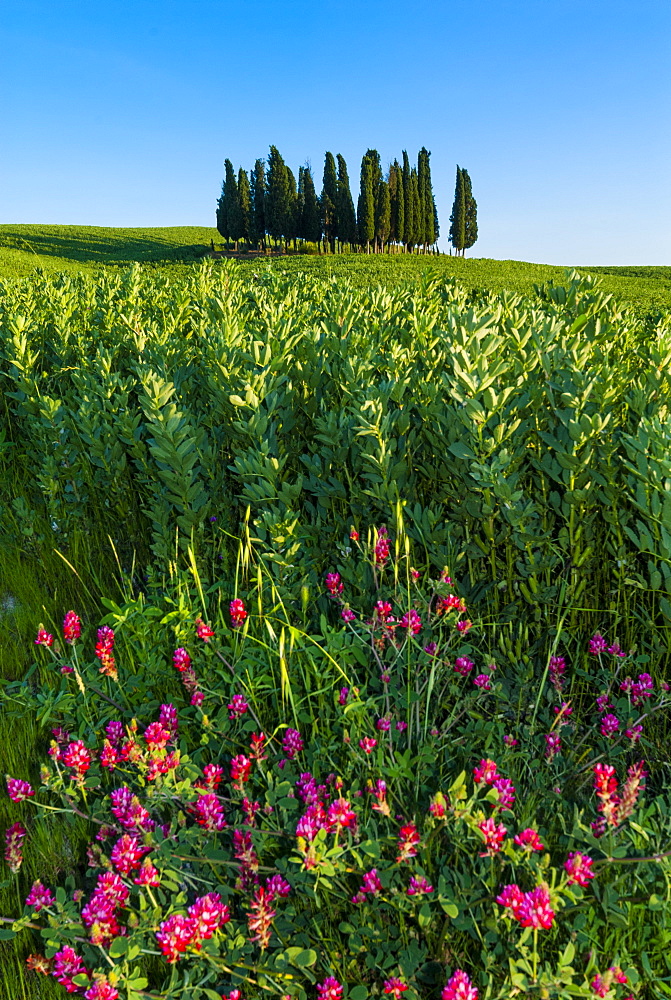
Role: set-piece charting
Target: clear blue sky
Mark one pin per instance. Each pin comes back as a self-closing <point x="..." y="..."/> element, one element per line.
<point x="122" y="113"/>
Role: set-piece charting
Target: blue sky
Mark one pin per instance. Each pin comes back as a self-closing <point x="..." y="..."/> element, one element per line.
<point x="121" y="113"/>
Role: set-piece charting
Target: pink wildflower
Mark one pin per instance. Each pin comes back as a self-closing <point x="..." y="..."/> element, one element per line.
<point x="260" y="917"/>
<point x="493" y="833"/>
<point x="464" y="626"/>
<point x="597" y="644"/>
<point x="609" y="725"/>
<point x="174" y="936"/>
<point x="126" y="854"/>
<point x="557" y="670"/>
<point x="277" y="886"/>
<point x="208" y="812"/>
<point x="510" y="740"/>
<point x="529" y="840"/>
<point x="512" y="897"/>
<point x="330" y="989"/>
<point x="241" y="768"/>
<point x="342" y="697"/>
<point x="634" y="734"/>
<point x="203" y="631"/>
<point x="382" y="546"/>
<point x="72" y="627"/>
<point x="486" y="771"/>
<point x="483" y="681"/>
<point x="237" y="707"/>
<point x="459" y="987"/>
<point x="506" y="790"/>
<point x="368" y="744"/>
<point x="39" y="896"/>
<point x="552" y="745"/>
<point x="334" y="584"/>
<point x="535" y="909"/>
<point x="408" y="841"/>
<point x="156" y="737"/>
<point x="67" y="965"/>
<point x="395" y="986"/>
<point x="208" y="914"/>
<point x="347" y="615"/>
<point x="181" y="659"/>
<point x="44" y="638"/>
<point x="148" y="874"/>
<point x="411" y="621"/>
<point x="419" y="886"/>
<point x="579" y="869"/>
<point x="463" y="665"/>
<point x="341" y="814"/>
<point x="102" y="989"/>
<point x="78" y="758"/>
<point x="18" y="790"/>
<point x="238" y="612"/>
<point x="292" y="743"/>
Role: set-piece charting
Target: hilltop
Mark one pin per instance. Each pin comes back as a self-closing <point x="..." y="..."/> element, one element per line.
<point x="176" y="248"/>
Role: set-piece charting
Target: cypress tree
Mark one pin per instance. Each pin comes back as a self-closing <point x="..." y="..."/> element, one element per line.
<point x="230" y="209"/>
<point x="366" y="206"/>
<point x="293" y="219"/>
<point x="221" y="211"/>
<point x="458" y="216"/>
<point x="244" y="204"/>
<point x="397" y="203"/>
<point x="416" y="234"/>
<point x="259" y="208"/>
<point x="376" y="165"/>
<point x="311" y="220"/>
<point x="382" y="214"/>
<point x="345" y="206"/>
<point x="426" y="229"/>
<point x="277" y="195"/>
<point x="300" y="207"/>
<point x="436" y="224"/>
<point x="329" y="201"/>
<point x="471" y="213"/>
<point x="409" y="217"/>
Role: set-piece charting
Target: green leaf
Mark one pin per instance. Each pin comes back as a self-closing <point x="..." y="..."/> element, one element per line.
<point x="6" y="934"/>
<point x="81" y="979"/>
<point x="119" y="947"/>
<point x="358" y="993"/>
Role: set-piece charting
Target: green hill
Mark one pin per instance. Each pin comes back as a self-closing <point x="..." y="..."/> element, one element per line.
<point x="88" y="248"/>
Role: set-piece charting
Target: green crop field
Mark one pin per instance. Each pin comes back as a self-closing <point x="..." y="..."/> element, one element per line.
<point x="409" y="518"/>
<point x="88" y="248"/>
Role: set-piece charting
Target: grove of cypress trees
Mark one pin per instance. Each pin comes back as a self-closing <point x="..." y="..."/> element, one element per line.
<point x="366" y="206"/>
<point x="382" y="214"/>
<point x="329" y="201"/>
<point x="244" y="205"/>
<point x="277" y="195"/>
<point x="345" y="206"/>
<point x="471" y="213"/>
<point x="258" y="228"/>
<point x="458" y="216"/>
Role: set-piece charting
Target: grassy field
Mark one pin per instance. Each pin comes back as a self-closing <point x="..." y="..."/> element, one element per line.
<point x="175" y="248"/>
<point x="522" y="440"/>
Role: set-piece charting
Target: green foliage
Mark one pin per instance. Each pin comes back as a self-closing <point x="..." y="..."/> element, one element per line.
<point x="347" y="232"/>
<point x="414" y="809"/>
